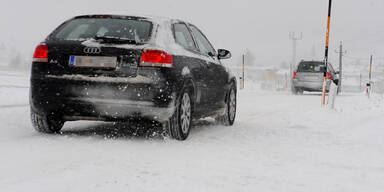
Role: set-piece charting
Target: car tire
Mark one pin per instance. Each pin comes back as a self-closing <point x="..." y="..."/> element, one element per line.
<point x="179" y="125"/>
<point x="46" y="124"/>
<point x="294" y="90"/>
<point x="297" y="91"/>
<point x="300" y="91"/>
<point x="228" y="118"/>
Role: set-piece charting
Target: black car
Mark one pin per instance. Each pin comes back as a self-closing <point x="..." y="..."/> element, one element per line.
<point x="114" y="68"/>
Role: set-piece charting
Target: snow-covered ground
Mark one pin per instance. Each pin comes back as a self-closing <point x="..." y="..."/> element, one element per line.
<point x="280" y="142"/>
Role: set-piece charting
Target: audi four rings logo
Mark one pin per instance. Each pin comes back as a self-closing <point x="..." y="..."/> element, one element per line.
<point x="92" y="50"/>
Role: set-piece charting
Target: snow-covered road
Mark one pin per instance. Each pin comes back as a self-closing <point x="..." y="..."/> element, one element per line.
<point x="280" y="142"/>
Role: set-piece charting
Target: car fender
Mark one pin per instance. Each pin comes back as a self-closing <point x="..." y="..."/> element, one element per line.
<point x="188" y="82"/>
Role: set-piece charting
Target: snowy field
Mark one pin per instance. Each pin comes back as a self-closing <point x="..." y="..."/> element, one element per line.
<point x="280" y="142"/>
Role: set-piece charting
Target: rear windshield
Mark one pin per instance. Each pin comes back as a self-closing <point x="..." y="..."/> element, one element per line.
<point x="85" y="28"/>
<point x="311" y="67"/>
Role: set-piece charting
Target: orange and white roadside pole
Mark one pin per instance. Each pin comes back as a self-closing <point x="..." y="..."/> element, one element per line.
<point x="369" y="84"/>
<point x="326" y="53"/>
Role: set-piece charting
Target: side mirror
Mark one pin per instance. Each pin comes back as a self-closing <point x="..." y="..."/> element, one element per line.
<point x="336" y="81"/>
<point x="223" y="54"/>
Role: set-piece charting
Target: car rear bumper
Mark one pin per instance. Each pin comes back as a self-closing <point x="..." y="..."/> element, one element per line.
<point x="71" y="109"/>
<point x="309" y="85"/>
<point x="100" y="100"/>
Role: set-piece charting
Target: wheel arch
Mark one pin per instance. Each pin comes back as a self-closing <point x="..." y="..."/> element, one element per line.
<point x="189" y="84"/>
<point x="231" y="82"/>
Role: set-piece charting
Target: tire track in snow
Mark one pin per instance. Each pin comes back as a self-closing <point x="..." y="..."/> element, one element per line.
<point x="13" y="106"/>
<point x="14" y="86"/>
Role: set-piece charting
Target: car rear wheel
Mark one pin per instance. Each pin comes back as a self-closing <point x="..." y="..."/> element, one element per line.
<point x="297" y="91"/>
<point x="300" y="91"/>
<point x="46" y="124"/>
<point x="228" y="118"/>
<point x="179" y="124"/>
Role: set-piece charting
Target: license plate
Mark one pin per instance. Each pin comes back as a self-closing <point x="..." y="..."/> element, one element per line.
<point x="93" y="61"/>
<point x="312" y="78"/>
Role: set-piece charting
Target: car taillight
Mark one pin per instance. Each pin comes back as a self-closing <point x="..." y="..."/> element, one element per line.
<point x="41" y="53"/>
<point x="156" y="58"/>
<point x="329" y="75"/>
<point x="294" y="75"/>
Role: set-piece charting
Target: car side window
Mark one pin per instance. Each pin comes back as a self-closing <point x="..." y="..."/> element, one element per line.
<point x="330" y="68"/>
<point x="183" y="37"/>
<point x="202" y="42"/>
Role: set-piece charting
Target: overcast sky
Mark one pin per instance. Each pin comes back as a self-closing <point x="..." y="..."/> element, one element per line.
<point x="260" y="26"/>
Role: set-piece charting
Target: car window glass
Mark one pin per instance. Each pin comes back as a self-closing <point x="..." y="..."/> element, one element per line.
<point x="311" y="67"/>
<point x="183" y="37"/>
<point x="202" y="42"/>
<point x="331" y="68"/>
<point x="85" y="28"/>
<point x="78" y="31"/>
<point x="102" y="31"/>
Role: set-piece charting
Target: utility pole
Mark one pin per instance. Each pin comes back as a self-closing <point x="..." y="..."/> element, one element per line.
<point x="341" y="54"/>
<point x="360" y="83"/>
<point x="294" y="37"/>
<point x="243" y="80"/>
<point x="370" y="69"/>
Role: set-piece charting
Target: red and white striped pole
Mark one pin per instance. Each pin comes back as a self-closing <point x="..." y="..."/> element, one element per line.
<point x="326" y="52"/>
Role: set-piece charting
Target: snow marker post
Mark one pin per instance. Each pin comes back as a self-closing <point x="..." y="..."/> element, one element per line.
<point x="369" y="84"/>
<point x="326" y="52"/>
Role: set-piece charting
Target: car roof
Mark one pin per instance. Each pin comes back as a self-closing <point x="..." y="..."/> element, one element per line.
<point x="309" y="61"/>
<point x="154" y="19"/>
<point x="313" y="61"/>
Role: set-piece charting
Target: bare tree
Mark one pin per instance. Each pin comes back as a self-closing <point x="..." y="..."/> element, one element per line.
<point x="250" y="59"/>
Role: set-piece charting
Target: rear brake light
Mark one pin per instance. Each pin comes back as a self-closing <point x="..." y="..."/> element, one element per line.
<point x="294" y="75"/>
<point x="329" y="75"/>
<point x="41" y="53"/>
<point x="156" y="58"/>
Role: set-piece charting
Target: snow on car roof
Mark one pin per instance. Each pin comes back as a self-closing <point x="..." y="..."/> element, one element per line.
<point x="152" y="18"/>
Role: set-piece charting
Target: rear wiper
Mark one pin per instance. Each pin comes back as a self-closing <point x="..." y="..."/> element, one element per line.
<point x="110" y="39"/>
